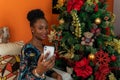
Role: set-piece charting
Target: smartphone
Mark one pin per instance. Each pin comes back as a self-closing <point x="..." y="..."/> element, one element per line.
<point x="50" y="50"/>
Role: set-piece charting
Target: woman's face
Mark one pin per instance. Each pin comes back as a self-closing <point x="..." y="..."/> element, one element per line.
<point x="40" y="29"/>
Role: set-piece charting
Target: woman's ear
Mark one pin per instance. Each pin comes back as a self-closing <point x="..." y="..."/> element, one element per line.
<point x="32" y="30"/>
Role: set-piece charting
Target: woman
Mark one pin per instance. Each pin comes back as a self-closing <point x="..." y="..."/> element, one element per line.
<point x="33" y="63"/>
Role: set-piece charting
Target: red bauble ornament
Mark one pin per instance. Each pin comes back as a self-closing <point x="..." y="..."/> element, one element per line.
<point x="96" y="7"/>
<point x="113" y="58"/>
<point x="102" y="58"/>
<point x="57" y="55"/>
<point x="107" y="31"/>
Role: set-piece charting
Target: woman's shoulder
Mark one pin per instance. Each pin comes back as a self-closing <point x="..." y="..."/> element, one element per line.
<point x="28" y="45"/>
<point x="29" y="49"/>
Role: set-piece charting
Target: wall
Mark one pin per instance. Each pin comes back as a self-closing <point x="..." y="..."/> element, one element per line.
<point x="117" y="13"/>
<point x="13" y="14"/>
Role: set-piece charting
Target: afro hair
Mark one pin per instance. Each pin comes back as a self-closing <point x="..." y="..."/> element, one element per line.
<point x="34" y="15"/>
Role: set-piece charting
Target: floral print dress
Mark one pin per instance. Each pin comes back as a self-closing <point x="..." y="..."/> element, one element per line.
<point x="29" y="58"/>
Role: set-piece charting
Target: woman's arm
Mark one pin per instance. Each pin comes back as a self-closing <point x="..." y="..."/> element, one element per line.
<point x="56" y="76"/>
<point x="26" y="68"/>
<point x="53" y="74"/>
<point x="30" y="68"/>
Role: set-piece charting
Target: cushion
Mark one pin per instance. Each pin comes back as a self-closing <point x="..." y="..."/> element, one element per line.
<point x="11" y="48"/>
<point x="9" y="60"/>
<point x="9" y="67"/>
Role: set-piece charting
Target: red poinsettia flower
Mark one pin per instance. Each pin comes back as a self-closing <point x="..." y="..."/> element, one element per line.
<point x="74" y="4"/>
<point x="82" y="68"/>
<point x="102" y="72"/>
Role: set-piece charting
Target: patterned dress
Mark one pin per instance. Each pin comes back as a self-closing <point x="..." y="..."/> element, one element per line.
<point x="29" y="58"/>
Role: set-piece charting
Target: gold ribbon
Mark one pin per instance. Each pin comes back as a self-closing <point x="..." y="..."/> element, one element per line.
<point x="90" y="2"/>
<point x="69" y="54"/>
<point x="113" y="17"/>
<point x="52" y="35"/>
<point x="115" y="43"/>
<point x="76" y="24"/>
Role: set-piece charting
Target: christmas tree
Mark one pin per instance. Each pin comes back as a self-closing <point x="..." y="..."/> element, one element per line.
<point x="85" y="41"/>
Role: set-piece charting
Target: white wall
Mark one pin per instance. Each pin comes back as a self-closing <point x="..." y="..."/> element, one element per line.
<point x="116" y="10"/>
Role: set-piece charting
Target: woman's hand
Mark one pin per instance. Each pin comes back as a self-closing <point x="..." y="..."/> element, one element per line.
<point x="44" y="65"/>
<point x="57" y="76"/>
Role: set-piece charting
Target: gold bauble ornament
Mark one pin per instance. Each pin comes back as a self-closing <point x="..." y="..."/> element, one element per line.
<point x="91" y="56"/>
<point x="97" y="21"/>
<point x="61" y="21"/>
